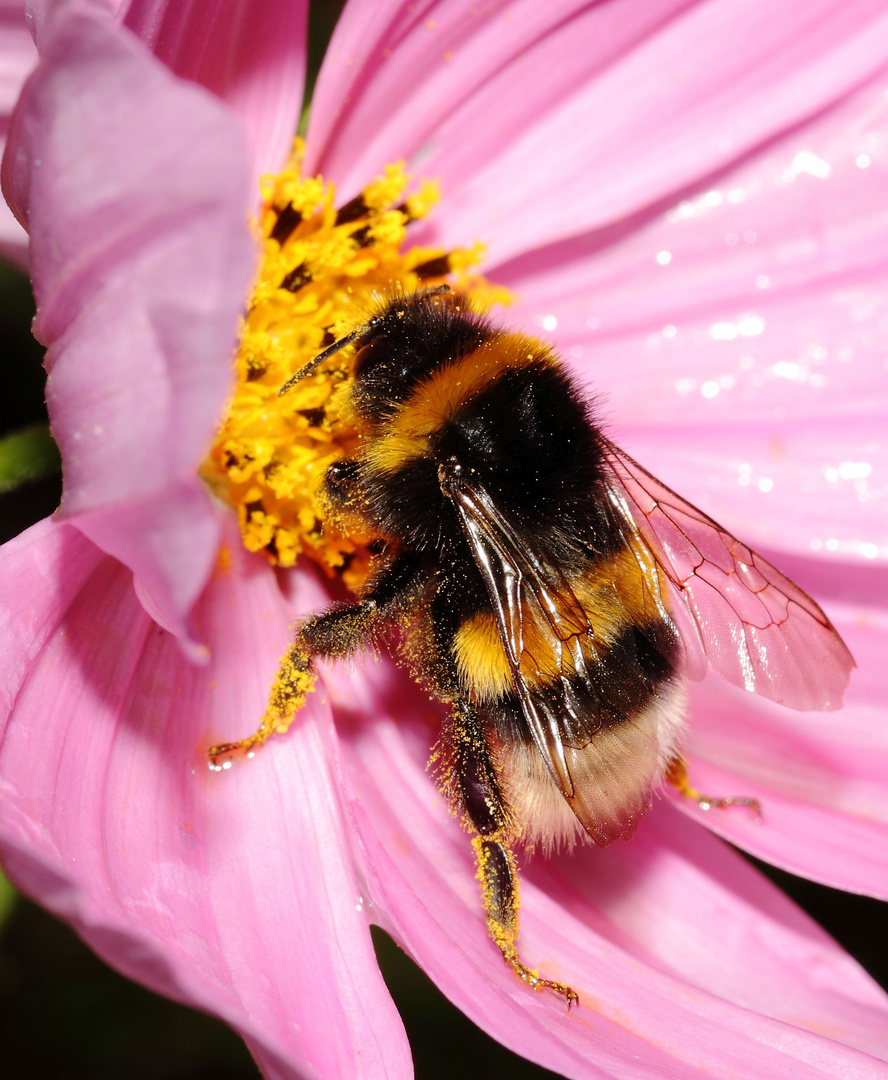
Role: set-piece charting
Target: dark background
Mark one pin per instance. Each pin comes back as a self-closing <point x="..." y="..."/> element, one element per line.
<point x="64" y="1015"/>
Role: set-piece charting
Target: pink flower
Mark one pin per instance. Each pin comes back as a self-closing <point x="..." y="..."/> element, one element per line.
<point x="690" y="201"/>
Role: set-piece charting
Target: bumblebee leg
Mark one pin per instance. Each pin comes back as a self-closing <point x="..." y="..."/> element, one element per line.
<point x="343" y="629"/>
<point x="498" y="874"/>
<point x="478" y="791"/>
<point x="334" y="633"/>
<point x="677" y="777"/>
<point x="294" y="680"/>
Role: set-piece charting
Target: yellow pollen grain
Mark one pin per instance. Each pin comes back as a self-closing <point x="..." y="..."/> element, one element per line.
<point x="385" y="190"/>
<point x="421" y="202"/>
<point x="317" y="281"/>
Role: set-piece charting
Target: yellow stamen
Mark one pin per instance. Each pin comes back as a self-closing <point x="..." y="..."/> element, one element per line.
<point x="323" y="273"/>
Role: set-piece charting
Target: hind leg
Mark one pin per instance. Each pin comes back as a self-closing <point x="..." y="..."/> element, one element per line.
<point x="677" y="777"/>
<point x="475" y="786"/>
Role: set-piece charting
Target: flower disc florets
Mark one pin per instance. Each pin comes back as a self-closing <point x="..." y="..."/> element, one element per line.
<point x="323" y="271"/>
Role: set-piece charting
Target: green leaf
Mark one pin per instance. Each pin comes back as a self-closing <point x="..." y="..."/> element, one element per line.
<point x="8" y="897"/>
<point x="27" y="455"/>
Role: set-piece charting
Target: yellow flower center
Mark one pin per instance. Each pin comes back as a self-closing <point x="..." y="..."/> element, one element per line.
<point x="323" y="271"/>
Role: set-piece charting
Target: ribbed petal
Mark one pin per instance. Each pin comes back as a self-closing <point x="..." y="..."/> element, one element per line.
<point x="251" y="55"/>
<point x="738" y="337"/>
<point x="768" y="279"/>
<point x="232" y="890"/>
<point x="687" y="962"/>
<point x="454" y="52"/>
<point x="560" y="123"/>
<point x="141" y="258"/>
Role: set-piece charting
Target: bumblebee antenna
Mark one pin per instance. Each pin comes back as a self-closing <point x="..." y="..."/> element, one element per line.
<point x="322" y="356"/>
<point x="331" y="350"/>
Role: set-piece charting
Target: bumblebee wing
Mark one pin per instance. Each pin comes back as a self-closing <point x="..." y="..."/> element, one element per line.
<point x="603" y="760"/>
<point x="728" y="605"/>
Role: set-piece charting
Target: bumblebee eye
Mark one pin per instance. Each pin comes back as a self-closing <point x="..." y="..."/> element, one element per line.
<point x="342" y="471"/>
<point x="371" y="356"/>
<point x="339" y="479"/>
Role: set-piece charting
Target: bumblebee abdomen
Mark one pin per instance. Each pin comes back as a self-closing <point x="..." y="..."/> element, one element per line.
<point x="627" y="653"/>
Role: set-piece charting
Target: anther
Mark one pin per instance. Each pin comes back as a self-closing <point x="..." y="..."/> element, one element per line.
<point x="297" y="277"/>
<point x="287" y="221"/>
<point x="353" y="210"/>
<point x="437" y="267"/>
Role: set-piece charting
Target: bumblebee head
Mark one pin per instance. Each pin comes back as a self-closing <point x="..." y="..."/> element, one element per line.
<point x="377" y="339"/>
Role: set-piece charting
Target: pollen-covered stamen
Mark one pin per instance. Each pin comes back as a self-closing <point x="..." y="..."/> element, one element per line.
<point x="324" y="270"/>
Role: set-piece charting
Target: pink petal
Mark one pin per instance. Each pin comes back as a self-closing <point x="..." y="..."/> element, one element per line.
<point x="821" y="844"/>
<point x="173" y="541"/>
<point x="769" y="280"/>
<point x="230" y="890"/>
<point x="17" y="55"/>
<point x="820" y="777"/>
<point x="141" y="259"/>
<point x="251" y="55"/>
<point x="519" y="95"/>
<point x="687" y="963"/>
<point x="393" y="64"/>
<point x="17" y="58"/>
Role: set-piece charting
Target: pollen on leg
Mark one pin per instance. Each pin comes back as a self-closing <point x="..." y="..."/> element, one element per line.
<point x="294" y="681"/>
<point x="498" y="875"/>
<point x="323" y="270"/>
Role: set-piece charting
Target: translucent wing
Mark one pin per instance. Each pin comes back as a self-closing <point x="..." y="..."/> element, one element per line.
<point x="603" y="760"/>
<point x="730" y="607"/>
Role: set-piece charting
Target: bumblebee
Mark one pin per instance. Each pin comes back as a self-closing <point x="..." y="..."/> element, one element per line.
<point x="551" y="591"/>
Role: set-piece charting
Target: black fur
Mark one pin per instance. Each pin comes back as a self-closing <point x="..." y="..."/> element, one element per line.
<point x="404" y="344"/>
